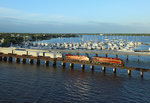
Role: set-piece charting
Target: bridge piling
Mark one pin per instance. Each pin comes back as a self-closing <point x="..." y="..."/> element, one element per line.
<point x="129" y="72"/>
<point x="1" y="58"/>
<point x="141" y="73"/>
<point x="10" y="59"/>
<point x="103" y="69"/>
<point x="82" y="66"/>
<point x="63" y="64"/>
<point x="71" y="65"/>
<point x="5" y="59"/>
<point x="47" y="63"/>
<point x="18" y="60"/>
<point x="31" y="61"/>
<point x="114" y="70"/>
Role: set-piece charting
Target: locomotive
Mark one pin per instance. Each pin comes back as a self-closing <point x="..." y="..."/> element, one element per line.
<point x="94" y="60"/>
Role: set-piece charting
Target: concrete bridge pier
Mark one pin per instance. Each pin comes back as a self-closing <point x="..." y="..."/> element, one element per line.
<point x="47" y="63"/>
<point x="114" y="70"/>
<point x="31" y="61"/>
<point x="92" y="67"/>
<point x="82" y="66"/>
<point x="1" y="58"/>
<point x="54" y="63"/>
<point x="10" y="59"/>
<point x="103" y="69"/>
<point x="38" y="62"/>
<point x="63" y="64"/>
<point x="5" y="59"/>
<point x="127" y="58"/>
<point x="129" y="72"/>
<point x="141" y="73"/>
<point x="86" y="54"/>
<point x="23" y="60"/>
<point x="71" y="65"/>
<point x="18" y="60"/>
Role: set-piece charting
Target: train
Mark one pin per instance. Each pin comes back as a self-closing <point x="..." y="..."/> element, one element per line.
<point x="94" y="60"/>
<point x="68" y="57"/>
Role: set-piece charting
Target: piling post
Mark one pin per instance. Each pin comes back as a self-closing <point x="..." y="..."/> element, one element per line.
<point x="31" y="61"/>
<point x="141" y="73"/>
<point x="127" y="58"/>
<point x="10" y="59"/>
<point x="5" y="58"/>
<point x="63" y="64"/>
<point x="103" y="69"/>
<point x="1" y="58"/>
<point x="106" y="55"/>
<point x="54" y="63"/>
<point x="38" y="62"/>
<point x="24" y="60"/>
<point x="18" y="60"/>
<point x="114" y="70"/>
<point x="129" y="72"/>
<point x="92" y="67"/>
<point x="82" y="66"/>
<point x="47" y="63"/>
<point x="71" y="65"/>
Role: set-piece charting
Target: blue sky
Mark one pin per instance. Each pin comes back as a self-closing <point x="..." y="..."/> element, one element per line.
<point x="75" y="16"/>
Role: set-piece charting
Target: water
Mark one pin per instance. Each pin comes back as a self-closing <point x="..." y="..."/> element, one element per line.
<point x="25" y="83"/>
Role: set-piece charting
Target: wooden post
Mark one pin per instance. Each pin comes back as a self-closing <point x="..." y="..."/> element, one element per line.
<point x="106" y="55"/>
<point x="63" y="64"/>
<point x="114" y="70"/>
<point x="127" y="58"/>
<point x="92" y="67"/>
<point x="5" y="58"/>
<point x="54" y="63"/>
<point x="10" y="59"/>
<point x="47" y="63"/>
<point x="82" y="66"/>
<point x="31" y="61"/>
<point x="24" y="60"/>
<point x="71" y="65"/>
<point x="129" y="72"/>
<point x="38" y="62"/>
<point x="1" y="58"/>
<point x="141" y="73"/>
<point x="18" y="60"/>
<point x="103" y="69"/>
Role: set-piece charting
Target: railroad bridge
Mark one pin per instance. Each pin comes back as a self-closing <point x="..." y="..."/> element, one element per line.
<point x="23" y="58"/>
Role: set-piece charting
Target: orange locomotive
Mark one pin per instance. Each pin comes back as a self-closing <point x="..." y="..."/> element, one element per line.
<point x="94" y="60"/>
<point x="106" y="60"/>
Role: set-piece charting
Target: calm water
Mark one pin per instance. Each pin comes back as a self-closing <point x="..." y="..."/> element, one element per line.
<point x="25" y="83"/>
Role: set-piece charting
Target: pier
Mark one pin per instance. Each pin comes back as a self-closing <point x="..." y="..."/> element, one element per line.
<point x="23" y="58"/>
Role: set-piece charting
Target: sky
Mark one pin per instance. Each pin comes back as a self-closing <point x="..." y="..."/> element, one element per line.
<point x="75" y="16"/>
